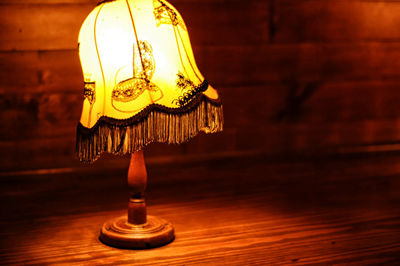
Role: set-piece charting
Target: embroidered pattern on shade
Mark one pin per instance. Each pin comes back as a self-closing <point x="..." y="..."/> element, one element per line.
<point x="89" y="91"/>
<point x="190" y="90"/>
<point x="166" y="15"/>
<point x="144" y="67"/>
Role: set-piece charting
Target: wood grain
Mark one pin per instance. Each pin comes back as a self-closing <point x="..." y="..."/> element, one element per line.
<point x="295" y="77"/>
<point x="336" y="211"/>
<point x="55" y="26"/>
<point x="304" y="62"/>
<point x="40" y="72"/>
<point x="336" y="21"/>
<point x="223" y="23"/>
<point x="234" y="65"/>
<point x="41" y="26"/>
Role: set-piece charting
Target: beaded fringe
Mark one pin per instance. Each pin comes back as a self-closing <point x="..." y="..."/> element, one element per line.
<point x="157" y="126"/>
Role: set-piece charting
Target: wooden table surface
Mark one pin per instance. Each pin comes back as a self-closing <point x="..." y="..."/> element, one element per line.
<point x="246" y="211"/>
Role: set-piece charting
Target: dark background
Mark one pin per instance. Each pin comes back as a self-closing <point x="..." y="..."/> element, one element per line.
<point x="304" y="77"/>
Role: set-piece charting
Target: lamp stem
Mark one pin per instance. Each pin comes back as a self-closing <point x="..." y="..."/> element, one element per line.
<point x="139" y="230"/>
<point x="137" y="181"/>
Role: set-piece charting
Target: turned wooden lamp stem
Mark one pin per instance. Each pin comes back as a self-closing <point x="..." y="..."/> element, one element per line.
<point x="137" y="182"/>
<point x="137" y="230"/>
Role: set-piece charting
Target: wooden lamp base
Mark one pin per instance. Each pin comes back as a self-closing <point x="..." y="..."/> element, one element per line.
<point x="137" y="230"/>
<point x="121" y="234"/>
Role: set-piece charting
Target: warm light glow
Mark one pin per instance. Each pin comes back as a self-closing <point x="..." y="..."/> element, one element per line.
<point x="142" y="84"/>
<point x="135" y="53"/>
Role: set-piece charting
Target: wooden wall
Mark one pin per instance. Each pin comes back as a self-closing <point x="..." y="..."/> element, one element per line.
<point x="295" y="76"/>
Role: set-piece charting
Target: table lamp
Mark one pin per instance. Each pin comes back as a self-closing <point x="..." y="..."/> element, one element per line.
<point x="141" y="85"/>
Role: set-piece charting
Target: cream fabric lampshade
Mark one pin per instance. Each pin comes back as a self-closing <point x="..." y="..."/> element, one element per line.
<point x="141" y="82"/>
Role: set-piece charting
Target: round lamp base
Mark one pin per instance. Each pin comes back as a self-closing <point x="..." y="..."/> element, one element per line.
<point x="121" y="234"/>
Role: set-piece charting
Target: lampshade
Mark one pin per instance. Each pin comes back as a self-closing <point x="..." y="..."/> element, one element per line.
<point x="141" y="82"/>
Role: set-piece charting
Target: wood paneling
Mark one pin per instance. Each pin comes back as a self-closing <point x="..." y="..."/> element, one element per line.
<point x="40" y="72"/>
<point x="51" y="26"/>
<point x="35" y="153"/>
<point x="359" y="102"/>
<point x="41" y="26"/>
<point x="249" y="65"/>
<point x="222" y="22"/>
<point x="46" y="115"/>
<point x="49" y="71"/>
<point x="340" y="21"/>
<point x="293" y="75"/>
